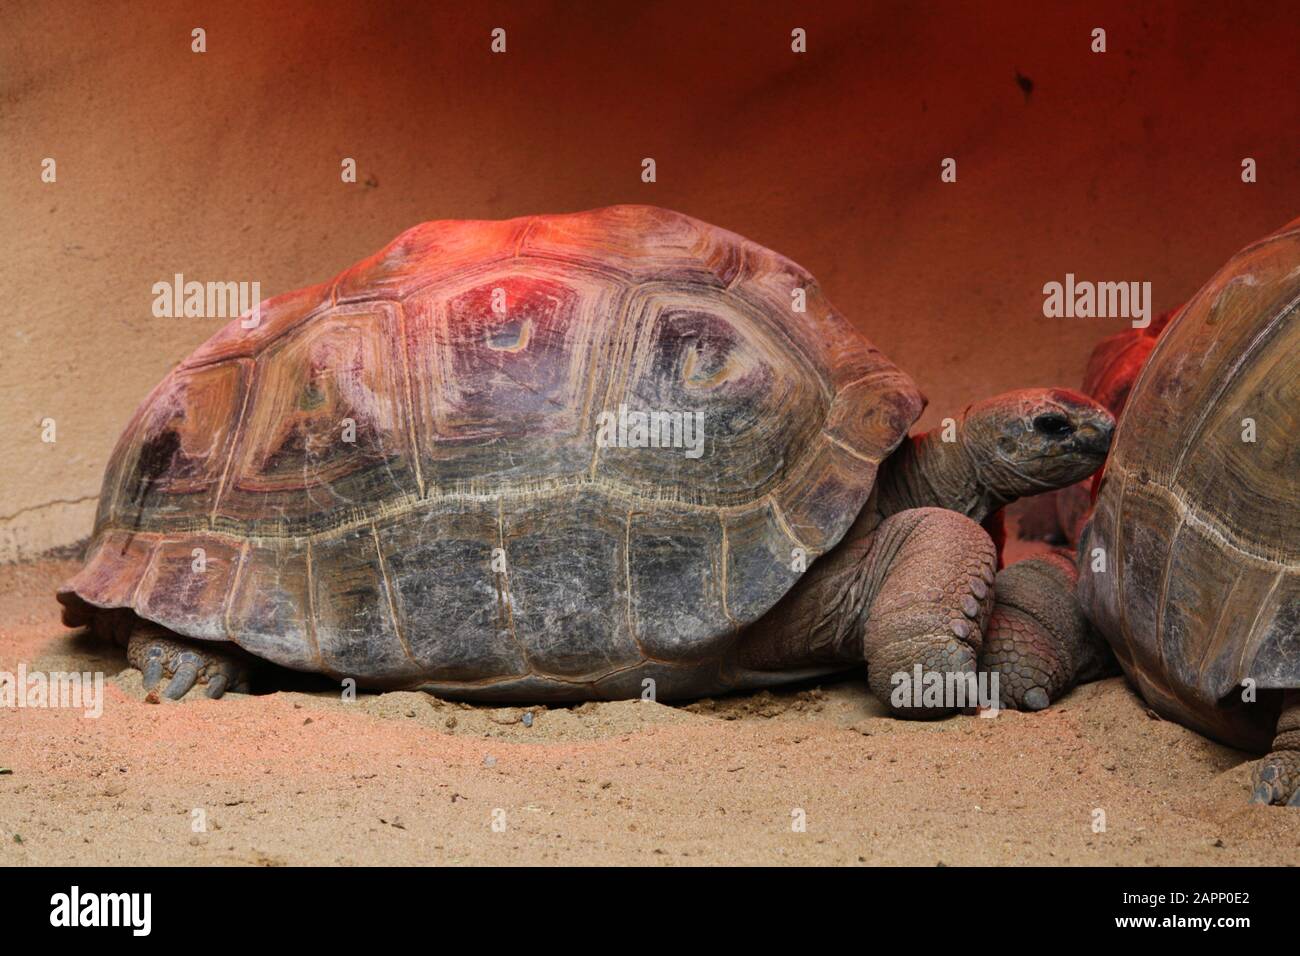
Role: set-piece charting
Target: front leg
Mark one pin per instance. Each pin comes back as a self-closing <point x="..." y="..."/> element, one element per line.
<point x="1039" y="643"/>
<point x="933" y="573"/>
<point x="1277" y="776"/>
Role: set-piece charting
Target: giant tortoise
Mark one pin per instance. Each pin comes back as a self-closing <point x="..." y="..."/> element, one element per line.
<point x="1189" y="564"/>
<point x="558" y="458"/>
<point x="1198" y="517"/>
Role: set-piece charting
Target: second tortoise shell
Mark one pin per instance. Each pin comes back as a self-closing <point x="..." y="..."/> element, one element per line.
<point x="1199" y="508"/>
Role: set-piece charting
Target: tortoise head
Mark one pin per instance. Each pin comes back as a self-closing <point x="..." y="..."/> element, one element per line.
<point x="1036" y="439"/>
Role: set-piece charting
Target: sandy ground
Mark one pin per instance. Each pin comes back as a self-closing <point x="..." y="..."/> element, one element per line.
<point x="299" y="777"/>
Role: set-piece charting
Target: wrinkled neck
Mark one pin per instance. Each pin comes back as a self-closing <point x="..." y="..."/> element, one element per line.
<point x="928" y="472"/>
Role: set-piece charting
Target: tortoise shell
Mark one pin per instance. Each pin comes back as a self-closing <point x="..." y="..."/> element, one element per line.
<point x="400" y="475"/>
<point x="1198" y="512"/>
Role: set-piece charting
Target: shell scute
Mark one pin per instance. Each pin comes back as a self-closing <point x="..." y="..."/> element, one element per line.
<point x="451" y="600"/>
<point x="676" y="547"/>
<point x="760" y="559"/>
<point x="503" y="372"/>
<point x="167" y="468"/>
<point x="271" y="610"/>
<point x="188" y="583"/>
<point x="357" y="631"/>
<point x="726" y="410"/>
<point x="567" y="580"/>
<point x="325" y="433"/>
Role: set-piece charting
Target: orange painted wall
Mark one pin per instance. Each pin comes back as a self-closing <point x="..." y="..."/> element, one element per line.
<point x="225" y="165"/>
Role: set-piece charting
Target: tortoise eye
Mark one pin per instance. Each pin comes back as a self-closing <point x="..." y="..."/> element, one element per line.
<point x="1053" y="425"/>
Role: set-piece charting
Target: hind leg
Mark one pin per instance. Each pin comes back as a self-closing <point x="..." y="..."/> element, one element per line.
<point x="159" y="653"/>
<point x="1277" y="776"/>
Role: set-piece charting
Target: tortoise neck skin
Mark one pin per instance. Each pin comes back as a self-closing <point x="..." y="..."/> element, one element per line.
<point x="928" y="471"/>
<point x="1003" y="448"/>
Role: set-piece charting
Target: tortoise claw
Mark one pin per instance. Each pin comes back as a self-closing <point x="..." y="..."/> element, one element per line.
<point x="1035" y="699"/>
<point x="159" y="654"/>
<point x="153" y="668"/>
<point x="187" y="672"/>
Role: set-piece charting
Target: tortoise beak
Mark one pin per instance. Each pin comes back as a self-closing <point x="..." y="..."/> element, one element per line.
<point x="1094" y="433"/>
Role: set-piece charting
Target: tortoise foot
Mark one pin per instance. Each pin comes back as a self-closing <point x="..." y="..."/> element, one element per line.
<point x="1277" y="779"/>
<point x="1032" y="668"/>
<point x="927" y="620"/>
<point x="1277" y="776"/>
<point x="159" y="654"/>
<point x="1038" y="641"/>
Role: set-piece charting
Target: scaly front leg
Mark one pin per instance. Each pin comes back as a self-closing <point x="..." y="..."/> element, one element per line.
<point x="933" y="573"/>
<point x="1038" y="642"/>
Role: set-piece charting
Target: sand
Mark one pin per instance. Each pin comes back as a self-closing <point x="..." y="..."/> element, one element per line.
<point x="300" y="777"/>
<point x="224" y="166"/>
